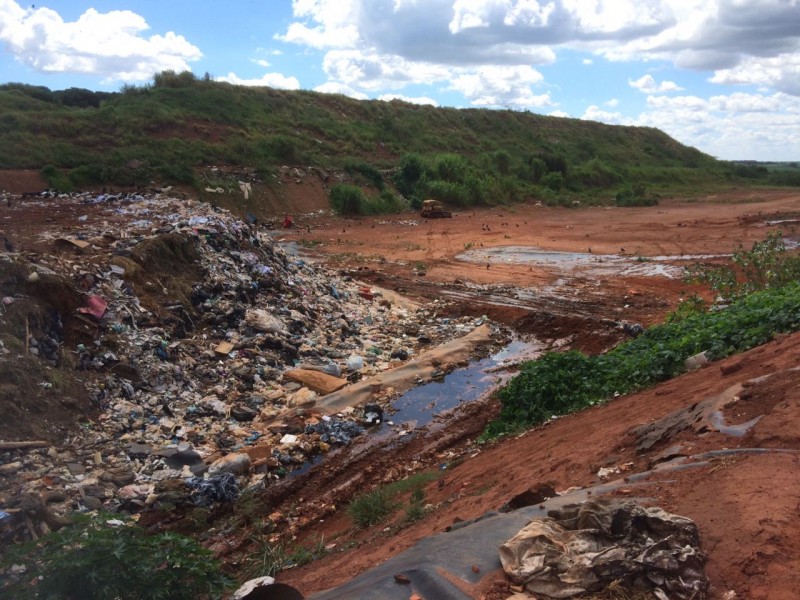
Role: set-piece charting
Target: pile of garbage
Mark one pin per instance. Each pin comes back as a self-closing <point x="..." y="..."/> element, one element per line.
<point x="593" y="546"/>
<point x="205" y="349"/>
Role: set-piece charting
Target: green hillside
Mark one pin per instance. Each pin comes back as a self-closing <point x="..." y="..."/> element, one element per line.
<point x="169" y="130"/>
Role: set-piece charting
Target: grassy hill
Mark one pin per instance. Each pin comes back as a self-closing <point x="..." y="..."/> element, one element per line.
<point x="170" y="130"/>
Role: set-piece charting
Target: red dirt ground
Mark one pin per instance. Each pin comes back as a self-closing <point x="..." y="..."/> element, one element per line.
<point x="746" y="507"/>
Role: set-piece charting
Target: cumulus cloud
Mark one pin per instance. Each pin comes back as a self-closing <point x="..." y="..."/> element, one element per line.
<point x="731" y="127"/>
<point x="781" y="72"/>
<point x="648" y="85"/>
<point x="739" y="41"/>
<point x="111" y="44"/>
<point x="595" y="113"/>
<point x="332" y="87"/>
<point x="273" y="80"/>
<point x="501" y="86"/>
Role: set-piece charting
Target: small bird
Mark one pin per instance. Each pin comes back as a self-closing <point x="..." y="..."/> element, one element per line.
<point x="7" y="243"/>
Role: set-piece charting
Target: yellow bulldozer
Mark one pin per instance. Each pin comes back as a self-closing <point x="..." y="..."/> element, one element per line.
<point x="433" y="209"/>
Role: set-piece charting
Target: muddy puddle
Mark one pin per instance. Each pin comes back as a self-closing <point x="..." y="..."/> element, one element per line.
<point x="418" y="406"/>
<point x="606" y="264"/>
<point x="427" y="402"/>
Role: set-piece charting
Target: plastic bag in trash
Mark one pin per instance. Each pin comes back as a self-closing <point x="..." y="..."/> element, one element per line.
<point x="220" y="488"/>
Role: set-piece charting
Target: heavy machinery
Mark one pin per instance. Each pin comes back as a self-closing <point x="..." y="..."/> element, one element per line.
<point x="433" y="209"/>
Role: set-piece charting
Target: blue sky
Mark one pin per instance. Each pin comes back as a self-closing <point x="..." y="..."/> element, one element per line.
<point x="720" y="75"/>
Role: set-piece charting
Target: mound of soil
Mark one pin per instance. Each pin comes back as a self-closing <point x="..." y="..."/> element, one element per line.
<point x="40" y="393"/>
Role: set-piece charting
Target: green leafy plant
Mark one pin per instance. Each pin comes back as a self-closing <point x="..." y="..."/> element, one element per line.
<point x="766" y="265"/>
<point x="94" y="560"/>
<point x="562" y="382"/>
<point x="688" y="307"/>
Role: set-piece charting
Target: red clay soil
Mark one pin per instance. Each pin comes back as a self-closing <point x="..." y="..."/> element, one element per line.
<point x="745" y="506"/>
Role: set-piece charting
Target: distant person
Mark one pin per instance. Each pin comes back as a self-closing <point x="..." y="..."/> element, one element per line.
<point x="288" y="222"/>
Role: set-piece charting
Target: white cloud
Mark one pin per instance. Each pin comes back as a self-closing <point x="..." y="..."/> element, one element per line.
<point x="648" y="85"/>
<point x="501" y="86"/>
<point x="740" y="41"/>
<point x="422" y="100"/>
<point x="781" y="72"/>
<point x="731" y="127"/>
<point x="332" y="87"/>
<point x="273" y="80"/>
<point x="595" y="113"/>
<point x="111" y="45"/>
<point x="324" y="24"/>
<point x="613" y="103"/>
<point x="587" y="61"/>
<point x="261" y="62"/>
<point x="559" y="113"/>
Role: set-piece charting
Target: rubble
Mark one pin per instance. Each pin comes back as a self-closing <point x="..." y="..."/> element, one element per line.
<point x="205" y="349"/>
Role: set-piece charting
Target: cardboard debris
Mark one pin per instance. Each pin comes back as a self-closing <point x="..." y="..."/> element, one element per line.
<point x="224" y="348"/>
<point x="322" y="383"/>
<point x="73" y="243"/>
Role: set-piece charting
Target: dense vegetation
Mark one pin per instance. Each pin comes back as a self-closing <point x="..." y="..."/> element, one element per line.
<point x="564" y="382"/>
<point x="168" y="130"/>
<point x="99" y="558"/>
<point x="764" y="285"/>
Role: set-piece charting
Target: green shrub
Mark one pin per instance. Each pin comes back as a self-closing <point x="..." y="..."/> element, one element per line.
<point x="171" y="79"/>
<point x="767" y="265"/>
<point x="563" y="382"/>
<point x="56" y="180"/>
<point x="553" y="181"/>
<point x="387" y="203"/>
<point x="412" y="167"/>
<point x="450" y="192"/>
<point x="93" y="560"/>
<point x="284" y="149"/>
<point x="370" y="173"/>
<point x="347" y="199"/>
<point x="451" y="167"/>
<point x="501" y="161"/>
<point x="535" y="168"/>
<point x="596" y="174"/>
<point x="784" y="178"/>
<point x="634" y="195"/>
<point x="555" y="163"/>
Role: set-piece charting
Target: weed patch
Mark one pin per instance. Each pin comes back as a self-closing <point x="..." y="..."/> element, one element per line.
<point x="376" y="506"/>
<point x="564" y="382"/>
<point x="94" y="560"/>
